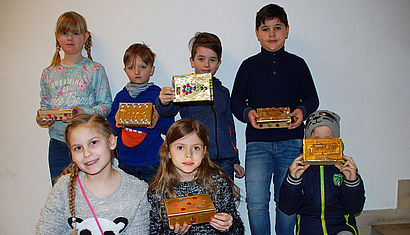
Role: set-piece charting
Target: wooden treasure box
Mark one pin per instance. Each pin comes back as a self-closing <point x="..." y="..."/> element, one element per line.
<point x="135" y="114"/>
<point x="323" y="151"/>
<point x="56" y="114"/>
<point x="190" y="210"/>
<point x="273" y="117"/>
<point x="193" y="87"/>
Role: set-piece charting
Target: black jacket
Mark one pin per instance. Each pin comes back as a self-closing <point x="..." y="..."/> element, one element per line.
<point x="323" y="200"/>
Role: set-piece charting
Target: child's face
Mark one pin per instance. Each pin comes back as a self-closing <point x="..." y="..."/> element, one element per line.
<point x="322" y="132"/>
<point x="205" y="61"/>
<point x="272" y="34"/>
<point x="91" y="150"/>
<point x="186" y="154"/>
<point x="71" y="42"/>
<point x="139" y="72"/>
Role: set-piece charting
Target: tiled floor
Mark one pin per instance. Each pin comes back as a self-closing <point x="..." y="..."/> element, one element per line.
<point x="388" y="221"/>
<point x="391" y="229"/>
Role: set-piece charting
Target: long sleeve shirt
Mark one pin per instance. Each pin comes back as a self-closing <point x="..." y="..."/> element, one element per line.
<point x="84" y="85"/>
<point x="273" y="79"/>
<point x="124" y="210"/>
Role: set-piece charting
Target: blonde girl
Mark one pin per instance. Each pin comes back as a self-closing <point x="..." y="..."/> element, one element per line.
<point x="186" y="170"/>
<point x="91" y="194"/>
<point x="74" y="82"/>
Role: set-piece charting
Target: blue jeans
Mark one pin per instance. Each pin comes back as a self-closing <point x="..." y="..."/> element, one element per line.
<point x="58" y="158"/>
<point x="264" y="159"/>
<point x="145" y="173"/>
<point x="226" y="165"/>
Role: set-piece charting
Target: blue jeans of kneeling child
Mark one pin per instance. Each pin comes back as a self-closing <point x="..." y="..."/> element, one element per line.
<point x="264" y="160"/>
<point x="145" y="173"/>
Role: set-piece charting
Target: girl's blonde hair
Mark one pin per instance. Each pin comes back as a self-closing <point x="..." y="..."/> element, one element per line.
<point x="71" y="22"/>
<point x="95" y="121"/>
<point x="167" y="176"/>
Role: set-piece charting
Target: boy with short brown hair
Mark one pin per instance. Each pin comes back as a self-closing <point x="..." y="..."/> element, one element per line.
<point x="272" y="78"/>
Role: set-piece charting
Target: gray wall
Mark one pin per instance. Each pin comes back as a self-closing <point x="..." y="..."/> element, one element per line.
<point x="358" y="53"/>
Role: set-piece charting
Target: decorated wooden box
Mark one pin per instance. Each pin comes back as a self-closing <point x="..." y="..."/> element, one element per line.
<point x="323" y="151"/>
<point x="135" y="114"/>
<point x="193" y="87"/>
<point x="191" y="210"/>
<point x="56" y="114"/>
<point x="273" y="117"/>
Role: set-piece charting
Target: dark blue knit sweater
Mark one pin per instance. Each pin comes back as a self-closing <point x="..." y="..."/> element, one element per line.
<point x="273" y="79"/>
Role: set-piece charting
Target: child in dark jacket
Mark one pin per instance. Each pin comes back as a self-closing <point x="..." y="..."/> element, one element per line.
<point x="138" y="147"/>
<point x="206" y="52"/>
<point x="325" y="198"/>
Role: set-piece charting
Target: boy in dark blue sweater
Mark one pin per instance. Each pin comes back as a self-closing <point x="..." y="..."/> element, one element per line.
<point x="325" y="198"/>
<point x="271" y="78"/>
<point x="138" y="147"/>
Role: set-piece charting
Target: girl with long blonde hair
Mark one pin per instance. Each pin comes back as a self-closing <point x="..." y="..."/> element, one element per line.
<point x="92" y="195"/>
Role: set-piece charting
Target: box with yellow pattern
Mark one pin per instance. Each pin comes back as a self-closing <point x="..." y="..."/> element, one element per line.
<point x="327" y="151"/>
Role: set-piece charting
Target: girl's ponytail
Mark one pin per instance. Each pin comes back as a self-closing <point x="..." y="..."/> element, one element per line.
<point x="87" y="46"/>
<point x="56" y="58"/>
<point x="72" y="170"/>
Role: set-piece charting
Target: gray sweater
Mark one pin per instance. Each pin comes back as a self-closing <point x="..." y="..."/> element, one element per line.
<point x="126" y="211"/>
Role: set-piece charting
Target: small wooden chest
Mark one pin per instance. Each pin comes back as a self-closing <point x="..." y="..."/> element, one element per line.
<point x="135" y="114"/>
<point x="193" y="87"/>
<point x="274" y="117"/>
<point x="190" y="210"/>
<point x="323" y="151"/>
<point x="56" y="114"/>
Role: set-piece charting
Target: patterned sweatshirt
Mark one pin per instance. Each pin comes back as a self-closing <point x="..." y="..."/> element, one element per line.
<point x="224" y="203"/>
<point x="123" y="212"/>
<point x="84" y="85"/>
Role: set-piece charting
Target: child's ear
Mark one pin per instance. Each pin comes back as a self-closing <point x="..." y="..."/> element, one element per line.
<point x="257" y="34"/>
<point x="86" y="36"/>
<point x="192" y="62"/>
<point x="152" y="70"/>
<point x="113" y="142"/>
<point x="287" y="32"/>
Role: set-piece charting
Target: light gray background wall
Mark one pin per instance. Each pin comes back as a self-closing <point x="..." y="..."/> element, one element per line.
<point x="358" y="53"/>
